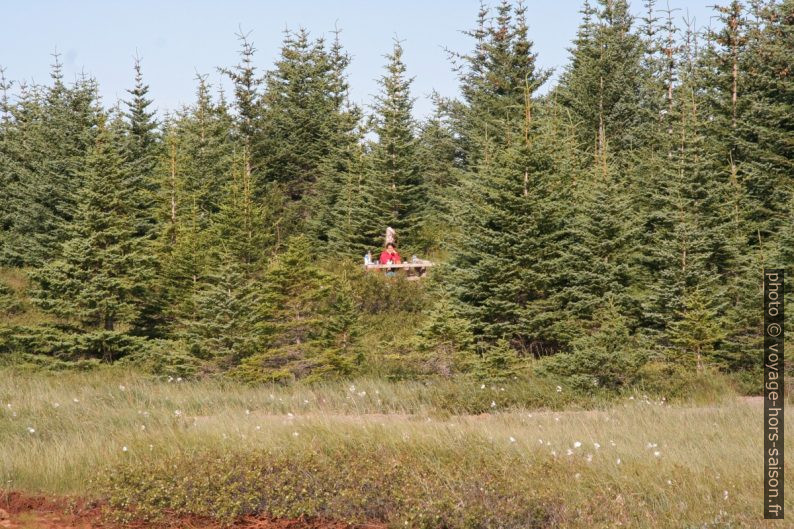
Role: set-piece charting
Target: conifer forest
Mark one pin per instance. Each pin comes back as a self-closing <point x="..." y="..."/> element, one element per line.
<point x="618" y="218"/>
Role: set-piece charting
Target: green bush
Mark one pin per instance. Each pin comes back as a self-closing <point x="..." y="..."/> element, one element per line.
<point x="166" y="358"/>
<point x="677" y="382"/>
<point x="606" y="356"/>
<point x="9" y="304"/>
<point x="375" y="293"/>
<point x="381" y="484"/>
<point x="66" y="343"/>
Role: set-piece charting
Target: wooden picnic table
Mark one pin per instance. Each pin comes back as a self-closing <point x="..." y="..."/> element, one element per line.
<point x="419" y="268"/>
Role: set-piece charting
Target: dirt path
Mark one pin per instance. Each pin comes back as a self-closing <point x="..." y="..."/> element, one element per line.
<point x="19" y="511"/>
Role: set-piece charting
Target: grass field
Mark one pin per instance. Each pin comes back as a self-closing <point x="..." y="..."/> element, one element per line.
<point x="395" y="453"/>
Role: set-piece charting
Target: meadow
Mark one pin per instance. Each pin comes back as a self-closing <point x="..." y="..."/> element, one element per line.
<point x="401" y="454"/>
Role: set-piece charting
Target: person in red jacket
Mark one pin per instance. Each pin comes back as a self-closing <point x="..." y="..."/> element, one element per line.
<point x="389" y="256"/>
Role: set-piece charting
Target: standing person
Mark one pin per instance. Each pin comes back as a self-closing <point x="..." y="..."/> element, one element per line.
<point x="389" y="256"/>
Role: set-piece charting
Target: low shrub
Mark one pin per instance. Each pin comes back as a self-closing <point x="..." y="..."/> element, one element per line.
<point x="677" y="382"/>
<point x="65" y="343"/>
<point x="394" y="485"/>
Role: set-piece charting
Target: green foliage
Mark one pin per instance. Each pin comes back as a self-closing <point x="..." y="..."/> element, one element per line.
<point x="697" y="331"/>
<point x="68" y="344"/>
<point x="307" y="322"/>
<point x="9" y="303"/>
<point x="223" y="326"/>
<point x="655" y="175"/>
<point x="101" y="279"/>
<point x="602" y="83"/>
<point x="46" y="136"/>
<point x="167" y="358"/>
<point x="499" y="361"/>
<point x="445" y="342"/>
<point x="608" y="356"/>
<point x="393" y="189"/>
<point x="380" y="486"/>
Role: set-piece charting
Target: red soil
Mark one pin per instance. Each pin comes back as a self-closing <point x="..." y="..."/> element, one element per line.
<point x="20" y="511"/>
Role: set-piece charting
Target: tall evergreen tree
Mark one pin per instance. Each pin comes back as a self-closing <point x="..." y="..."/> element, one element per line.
<point x="303" y="112"/>
<point x="142" y="146"/>
<point x="394" y="194"/>
<point x="51" y="129"/>
<point x="101" y="278"/>
<point x="224" y="325"/>
<point x="604" y="82"/>
<point x="308" y="322"/>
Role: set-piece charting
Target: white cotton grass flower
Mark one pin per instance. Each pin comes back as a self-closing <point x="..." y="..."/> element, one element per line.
<point x="669" y="481"/>
<point x="578" y="475"/>
<point x="56" y="405"/>
<point x="179" y="379"/>
<point x="612" y="443"/>
<point x="143" y="427"/>
<point x="512" y="439"/>
<point x="124" y="449"/>
<point x="352" y="388"/>
<point x="657" y="454"/>
<point x="178" y="413"/>
<point x="569" y="452"/>
<point x="725" y="495"/>
<point x="31" y="430"/>
<point x="554" y="453"/>
<point x="589" y="458"/>
<point x="556" y="419"/>
<point x="617" y="461"/>
<point x="651" y="445"/>
<point x="75" y="400"/>
<point x="493" y="404"/>
<point x="482" y="386"/>
<point x="258" y="428"/>
<point x="248" y="412"/>
<point x="577" y="444"/>
<point x="596" y="446"/>
<point x="362" y="393"/>
<point x="559" y="389"/>
<point x="295" y="434"/>
<point x="122" y="387"/>
<point x="540" y="441"/>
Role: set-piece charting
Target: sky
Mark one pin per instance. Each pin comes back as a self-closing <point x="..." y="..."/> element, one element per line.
<point x="178" y="39"/>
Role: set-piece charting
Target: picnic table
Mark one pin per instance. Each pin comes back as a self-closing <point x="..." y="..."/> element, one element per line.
<point x="413" y="270"/>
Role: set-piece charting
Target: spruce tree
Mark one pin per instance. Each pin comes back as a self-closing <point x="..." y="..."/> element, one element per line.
<point x="330" y="208"/>
<point x="102" y="277"/>
<point x="248" y="129"/>
<point x="603" y="84"/>
<point x="308" y="322"/>
<point x="304" y="117"/>
<point x="224" y="326"/>
<point x="394" y="192"/>
<point x="438" y="155"/>
<point x="697" y="330"/>
<point x="763" y="136"/>
<point x="142" y="146"/>
<point x="52" y="129"/>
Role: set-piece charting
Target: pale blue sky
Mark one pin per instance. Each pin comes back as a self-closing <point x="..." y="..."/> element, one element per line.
<point x="175" y="39"/>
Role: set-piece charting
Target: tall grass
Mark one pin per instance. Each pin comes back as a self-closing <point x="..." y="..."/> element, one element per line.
<point x="395" y="452"/>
